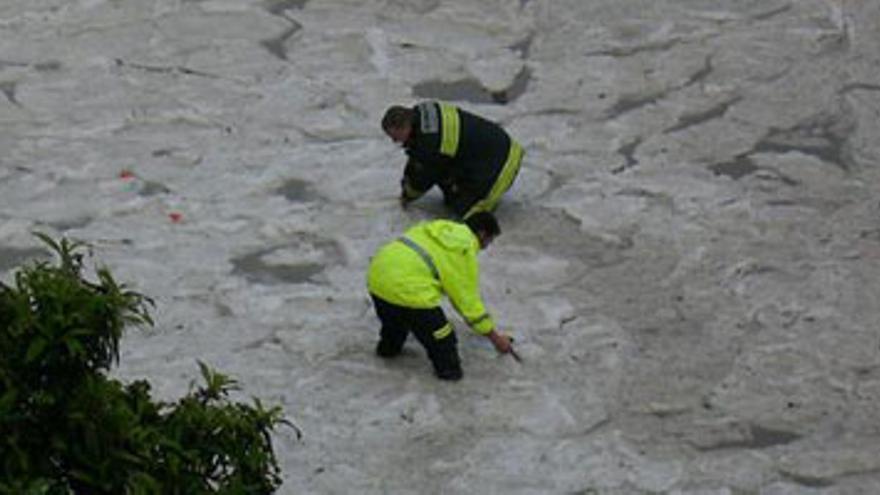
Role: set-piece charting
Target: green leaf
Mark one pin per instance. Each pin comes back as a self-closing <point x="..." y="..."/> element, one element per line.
<point x="81" y="475"/>
<point x="7" y="401"/>
<point x="35" y="349"/>
<point x="48" y="240"/>
<point x="74" y="347"/>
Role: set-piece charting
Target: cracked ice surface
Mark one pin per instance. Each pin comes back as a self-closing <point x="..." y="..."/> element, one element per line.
<point x="689" y="258"/>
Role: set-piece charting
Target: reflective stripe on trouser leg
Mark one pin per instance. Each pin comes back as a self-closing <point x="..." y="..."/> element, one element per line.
<point x="504" y="181"/>
<point x="443" y="352"/>
<point x="442" y="332"/>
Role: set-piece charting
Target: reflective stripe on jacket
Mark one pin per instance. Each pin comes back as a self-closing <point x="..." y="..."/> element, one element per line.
<point x="400" y="274"/>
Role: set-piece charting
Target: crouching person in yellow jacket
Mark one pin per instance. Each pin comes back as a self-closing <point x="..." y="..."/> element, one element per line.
<point x="408" y="277"/>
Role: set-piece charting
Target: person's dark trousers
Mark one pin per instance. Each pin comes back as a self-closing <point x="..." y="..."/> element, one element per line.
<point x="428" y="327"/>
<point x="460" y="199"/>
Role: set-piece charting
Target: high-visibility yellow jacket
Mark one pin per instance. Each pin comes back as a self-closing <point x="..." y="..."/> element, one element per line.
<point x="429" y="260"/>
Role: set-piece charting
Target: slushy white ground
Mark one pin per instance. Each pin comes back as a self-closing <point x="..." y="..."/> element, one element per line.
<point x="690" y="254"/>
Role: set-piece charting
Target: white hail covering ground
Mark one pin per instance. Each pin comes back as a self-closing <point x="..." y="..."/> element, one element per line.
<point x="689" y="260"/>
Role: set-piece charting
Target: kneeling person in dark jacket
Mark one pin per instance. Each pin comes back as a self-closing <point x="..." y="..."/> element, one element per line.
<point x="472" y="160"/>
<point x="408" y="277"/>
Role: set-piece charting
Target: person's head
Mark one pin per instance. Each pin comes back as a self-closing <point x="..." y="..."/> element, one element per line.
<point x="484" y="225"/>
<point x="397" y="123"/>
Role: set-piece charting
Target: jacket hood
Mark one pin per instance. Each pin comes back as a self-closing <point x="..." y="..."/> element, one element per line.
<point x="451" y="235"/>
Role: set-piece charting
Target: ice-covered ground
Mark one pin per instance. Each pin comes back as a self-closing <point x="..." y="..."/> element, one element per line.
<point x="689" y="259"/>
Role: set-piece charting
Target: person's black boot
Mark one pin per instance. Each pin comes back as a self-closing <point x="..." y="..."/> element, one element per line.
<point x="452" y="374"/>
<point x="386" y="350"/>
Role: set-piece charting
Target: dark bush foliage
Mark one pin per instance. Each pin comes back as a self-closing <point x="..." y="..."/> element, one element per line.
<point x="66" y="427"/>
